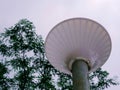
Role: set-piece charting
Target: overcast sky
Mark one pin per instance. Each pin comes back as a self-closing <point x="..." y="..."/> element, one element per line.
<point x="47" y="13"/>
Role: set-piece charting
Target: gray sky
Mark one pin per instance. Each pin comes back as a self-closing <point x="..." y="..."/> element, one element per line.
<point x="47" y="13"/>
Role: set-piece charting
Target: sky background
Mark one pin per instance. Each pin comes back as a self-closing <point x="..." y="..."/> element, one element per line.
<point x="45" y="14"/>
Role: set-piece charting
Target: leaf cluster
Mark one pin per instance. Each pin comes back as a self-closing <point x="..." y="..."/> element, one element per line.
<point x="26" y="67"/>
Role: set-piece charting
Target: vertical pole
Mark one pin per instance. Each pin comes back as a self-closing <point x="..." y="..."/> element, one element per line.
<point x="80" y="75"/>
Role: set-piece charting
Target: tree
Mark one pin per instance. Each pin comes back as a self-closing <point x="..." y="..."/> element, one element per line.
<point x="4" y="84"/>
<point x="24" y="55"/>
<point x="24" y="52"/>
<point x="98" y="80"/>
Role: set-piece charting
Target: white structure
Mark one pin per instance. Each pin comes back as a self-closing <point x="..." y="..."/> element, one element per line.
<point x="77" y="38"/>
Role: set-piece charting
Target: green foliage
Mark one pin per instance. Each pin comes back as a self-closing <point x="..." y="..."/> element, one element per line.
<point x="4" y="80"/>
<point x="99" y="80"/>
<point x="23" y="52"/>
<point x="65" y="82"/>
<point x="3" y="70"/>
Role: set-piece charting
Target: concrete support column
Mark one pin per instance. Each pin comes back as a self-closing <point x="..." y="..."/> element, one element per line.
<point x="80" y="75"/>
